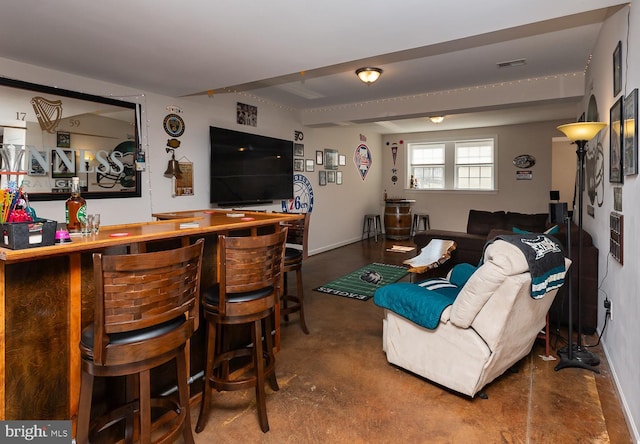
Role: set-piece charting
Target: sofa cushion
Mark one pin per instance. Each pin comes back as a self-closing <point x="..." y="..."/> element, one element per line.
<point x="481" y="222"/>
<point x="534" y="223"/>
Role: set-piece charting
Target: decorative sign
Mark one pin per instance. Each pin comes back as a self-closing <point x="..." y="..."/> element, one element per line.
<point x="362" y="159"/>
<point x="302" y="201"/>
<point x="524" y="175"/>
<point x="184" y="183"/>
<point x="173" y="125"/>
<point x="524" y="161"/>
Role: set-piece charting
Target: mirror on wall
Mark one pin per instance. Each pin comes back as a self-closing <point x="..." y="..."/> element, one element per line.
<point x="48" y="135"/>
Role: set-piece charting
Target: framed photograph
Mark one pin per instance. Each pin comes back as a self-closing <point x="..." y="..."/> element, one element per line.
<point x="309" y="165"/>
<point x="319" y="157"/>
<point x="630" y="133"/>
<point x="339" y="177"/>
<point x="331" y="159"/>
<point x="298" y="164"/>
<point x="617" y="198"/>
<point x="63" y="139"/>
<point x="617" y="69"/>
<point x="616" y="139"/>
<point x="331" y="176"/>
<point x="298" y="149"/>
<point x="246" y="114"/>
<point x="342" y="160"/>
<point x="62" y="164"/>
<point x="322" y="178"/>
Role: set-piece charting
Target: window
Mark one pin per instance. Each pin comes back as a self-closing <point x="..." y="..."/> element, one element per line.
<point x="427" y="165"/>
<point x="452" y="165"/>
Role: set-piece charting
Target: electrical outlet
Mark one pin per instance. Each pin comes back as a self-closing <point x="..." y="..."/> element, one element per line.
<point x="608" y="306"/>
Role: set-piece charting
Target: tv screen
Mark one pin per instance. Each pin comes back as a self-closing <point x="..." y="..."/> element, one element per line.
<point x="249" y="169"/>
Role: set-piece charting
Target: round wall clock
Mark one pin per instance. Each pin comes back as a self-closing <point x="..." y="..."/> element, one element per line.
<point x="173" y="125"/>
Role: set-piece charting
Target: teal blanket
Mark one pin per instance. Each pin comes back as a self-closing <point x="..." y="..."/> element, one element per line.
<point x="423" y="303"/>
<point x="417" y="303"/>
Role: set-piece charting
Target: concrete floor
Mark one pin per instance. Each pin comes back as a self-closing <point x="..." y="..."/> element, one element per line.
<point x="337" y="387"/>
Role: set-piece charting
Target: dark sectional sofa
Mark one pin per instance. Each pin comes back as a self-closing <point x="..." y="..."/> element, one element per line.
<point x="486" y="225"/>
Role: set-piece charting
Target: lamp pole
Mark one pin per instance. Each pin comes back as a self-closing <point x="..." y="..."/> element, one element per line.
<point x="578" y="356"/>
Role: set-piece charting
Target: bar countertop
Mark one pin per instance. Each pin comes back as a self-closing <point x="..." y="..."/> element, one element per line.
<point x="177" y="224"/>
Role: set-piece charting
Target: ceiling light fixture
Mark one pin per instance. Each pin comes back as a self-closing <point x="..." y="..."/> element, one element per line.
<point x="368" y="75"/>
<point x="437" y="119"/>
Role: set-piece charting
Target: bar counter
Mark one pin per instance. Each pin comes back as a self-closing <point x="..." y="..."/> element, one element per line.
<point x="47" y="295"/>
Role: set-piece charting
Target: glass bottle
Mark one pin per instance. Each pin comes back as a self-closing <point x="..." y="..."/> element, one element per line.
<point x="75" y="208"/>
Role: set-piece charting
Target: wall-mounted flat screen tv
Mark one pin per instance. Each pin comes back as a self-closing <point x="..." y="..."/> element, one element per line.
<point x="248" y="169"/>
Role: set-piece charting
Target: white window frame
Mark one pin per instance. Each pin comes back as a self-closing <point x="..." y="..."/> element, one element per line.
<point x="450" y="165"/>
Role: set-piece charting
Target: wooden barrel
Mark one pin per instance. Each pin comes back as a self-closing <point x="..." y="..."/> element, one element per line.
<point x="397" y="219"/>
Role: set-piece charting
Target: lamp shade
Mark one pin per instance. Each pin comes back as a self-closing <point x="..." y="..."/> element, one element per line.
<point x="581" y="130"/>
<point x="368" y="75"/>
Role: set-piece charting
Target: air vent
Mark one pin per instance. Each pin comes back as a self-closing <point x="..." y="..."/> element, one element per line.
<point x="510" y="63"/>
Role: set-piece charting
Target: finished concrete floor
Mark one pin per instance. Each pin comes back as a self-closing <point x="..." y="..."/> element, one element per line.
<point x="337" y="387"/>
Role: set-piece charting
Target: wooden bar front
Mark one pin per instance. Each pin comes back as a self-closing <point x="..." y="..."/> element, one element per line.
<point x="47" y="297"/>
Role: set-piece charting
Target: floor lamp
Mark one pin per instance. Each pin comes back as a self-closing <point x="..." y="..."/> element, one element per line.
<point x="575" y="355"/>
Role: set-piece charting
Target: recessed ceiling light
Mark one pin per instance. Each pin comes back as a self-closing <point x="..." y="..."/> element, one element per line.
<point x="436" y="119"/>
<point x="510" y="63"/>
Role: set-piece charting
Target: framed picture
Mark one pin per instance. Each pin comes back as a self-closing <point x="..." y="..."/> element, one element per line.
<point x="63" y="139"/>
<point x="298" y="164"/>
<point x="630" y="133"/>
<point x="322" y="178"/>
<point x="319" y="157"/>
<point x="617" y="69"/>
<point x="309" y="165"/>
<point x="246" y="114"/>
<point x="617" y="198"/>
<point x="298" y="149"/>
<point x="331" y="176"/>
<point x="331" y="159"/>
<point x="339" y="177"/>
<point x="342" y="160"/>
<point x="62" y="164"/>
<point x="616" y="139"/>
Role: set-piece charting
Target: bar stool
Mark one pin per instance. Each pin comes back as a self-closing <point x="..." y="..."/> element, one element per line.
<point x="146" y="309"/>
<point x="250" y="279"/>
<point x="417" y="218"/>
<point x="372" y="219"/>
<point x="295" y="253"/>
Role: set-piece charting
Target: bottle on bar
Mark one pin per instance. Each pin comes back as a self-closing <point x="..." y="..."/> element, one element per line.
<point x="75" y="207"/>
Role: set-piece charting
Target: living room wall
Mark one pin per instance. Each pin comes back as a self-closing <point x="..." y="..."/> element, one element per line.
<point x="618" y="282"/>
<point x="449" y="209"/>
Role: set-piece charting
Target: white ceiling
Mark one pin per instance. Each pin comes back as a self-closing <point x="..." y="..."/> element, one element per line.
<point x="302" y="54"/>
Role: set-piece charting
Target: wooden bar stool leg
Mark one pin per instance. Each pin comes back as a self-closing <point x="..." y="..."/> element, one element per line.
<point x="205" y="402"/>
<point x="145" y="407"/>
<point x="303" y="323"/>
<point x="84" y="407"/>
<point x="183" y="393"/>
<point x="258" y="362"/>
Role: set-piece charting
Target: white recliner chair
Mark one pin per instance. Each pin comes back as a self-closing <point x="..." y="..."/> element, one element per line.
<point x="492" y="323"/>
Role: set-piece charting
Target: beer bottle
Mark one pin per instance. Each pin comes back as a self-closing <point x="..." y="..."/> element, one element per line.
<point x="75" y="207"/>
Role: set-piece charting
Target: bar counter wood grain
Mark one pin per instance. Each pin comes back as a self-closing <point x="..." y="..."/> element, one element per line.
<point x="46" y="298"/>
